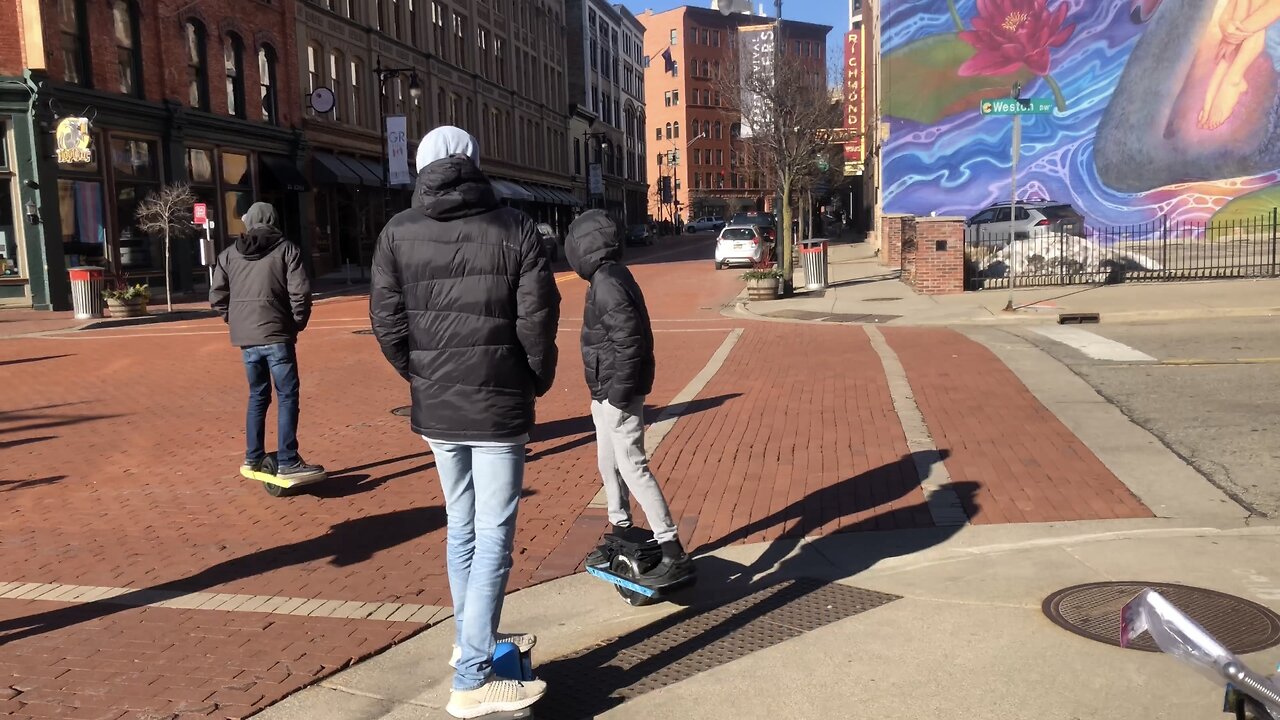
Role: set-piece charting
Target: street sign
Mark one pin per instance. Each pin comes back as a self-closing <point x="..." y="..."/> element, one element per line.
<point x="1020" y="106"/>
<point x="200" y="214"/>
<point x="838" y="135"/>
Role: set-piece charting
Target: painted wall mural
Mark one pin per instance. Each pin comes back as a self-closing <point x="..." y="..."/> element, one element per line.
<point x="1164" y="107"/>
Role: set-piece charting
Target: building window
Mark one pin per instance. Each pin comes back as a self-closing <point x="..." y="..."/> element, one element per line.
<point x="666" y="98"/>
<point x="675" y="97"/>
<point x="314" y="53"/>
<point x="675" y="37"/>
<point x="413" y="22"/>
<point x="706" y="37"/>
<point x="437" y="28"/>
<point x="715" y="40"/>
<point x="482" y="40"/>
<point x="668" y="131"/>
<point x="357" y="92"/>
<point x="719" y="130"/>
<point x="337" y="68"/>
<point x="124" y="15"/>
<point x="197" y="66"/>
<point x="74" y="25"/>
<point x="267" y="83"/>
<point x="675" y="127"/>
<point x="500" y="60"/>
<point x="396" y="29"/>
<point x="719" y="157"/>
<point x="459" y="41"/>
<point x="233" y="61"/>
<point x="658" y="134"/>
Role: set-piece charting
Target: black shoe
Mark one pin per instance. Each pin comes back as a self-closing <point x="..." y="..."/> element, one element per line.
<point x="252" y="465"/>
<point x="299" y="470"/>
<point x="676" y="565"/>
<point x="604" y="552"/>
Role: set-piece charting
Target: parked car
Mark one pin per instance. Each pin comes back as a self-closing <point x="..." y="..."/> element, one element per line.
<point x="704" y="224"/>
<point x="762" y="220"/>
<point x="639" y="235"/>
<point x="550" y="241"/>
<point x="991" y="227"/>
<point x="742" y="245"/>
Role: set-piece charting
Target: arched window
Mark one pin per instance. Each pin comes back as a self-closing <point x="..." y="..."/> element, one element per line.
<point x="676" y="129"/>
<point x="315" y="70"/>
<point x="337" y="68"/>
<point x="124" y="16"/>
<point x="197" y="66"/>
<point x="668" y="131"/>
<point x="267" y="83"/>
<point x="706" y="128"/>
<point x="719" y="130"/>
<point x="233" y="60"/>
<point x="73" y="21"/>
<point x="357" y="92"/>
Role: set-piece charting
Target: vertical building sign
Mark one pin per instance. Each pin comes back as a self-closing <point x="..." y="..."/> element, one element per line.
<point x="854" y="121"/>
<point x="397" y="151"/>
<point x="758" y="49"/>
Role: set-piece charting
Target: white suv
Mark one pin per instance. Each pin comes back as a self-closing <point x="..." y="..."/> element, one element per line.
<point x="742" y="245"/>
<point x="1049" y="219"/>
<point x="703" y="224"/>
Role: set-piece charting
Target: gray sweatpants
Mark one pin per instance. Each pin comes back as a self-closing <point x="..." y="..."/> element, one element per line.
<point x="625" y="467"/>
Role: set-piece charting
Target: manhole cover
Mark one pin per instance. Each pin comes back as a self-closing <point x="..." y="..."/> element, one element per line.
<point x="405" y="411"/>
<point x="362" y="332"/>
<point x="1093" y="611"/>
<point x="881" y="299"/>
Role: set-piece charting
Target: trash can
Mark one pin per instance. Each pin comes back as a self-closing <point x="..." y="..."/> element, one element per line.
<point x="813" y="253"/>
<point x="86" y="292"/>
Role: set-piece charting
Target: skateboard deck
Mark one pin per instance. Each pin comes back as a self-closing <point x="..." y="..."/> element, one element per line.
<point x="275" y="485"/>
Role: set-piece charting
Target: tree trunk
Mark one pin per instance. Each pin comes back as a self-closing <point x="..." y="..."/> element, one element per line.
<point x="784" y="237"/>
<point x="168" y="280"/>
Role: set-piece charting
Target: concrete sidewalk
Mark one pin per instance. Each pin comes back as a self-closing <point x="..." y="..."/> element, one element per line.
<point x="863" y="290"/>
<point x="966" y="637"/>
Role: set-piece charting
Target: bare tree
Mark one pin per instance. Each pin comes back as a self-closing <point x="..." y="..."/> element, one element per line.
<point x="167" y="212"/>
<point x="785" y="106"/>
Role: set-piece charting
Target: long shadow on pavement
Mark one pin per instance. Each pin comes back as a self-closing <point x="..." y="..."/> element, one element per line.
<point x="590" y="683"/>
<point x="346" y="543"/>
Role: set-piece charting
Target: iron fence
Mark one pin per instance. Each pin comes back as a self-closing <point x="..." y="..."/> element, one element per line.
<point x="1157" y="251"/>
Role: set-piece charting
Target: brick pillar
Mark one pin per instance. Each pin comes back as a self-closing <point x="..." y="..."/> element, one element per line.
<point x="907" y="263"/>
<point x="938" y="267"/>
<point x="891" y="250"/>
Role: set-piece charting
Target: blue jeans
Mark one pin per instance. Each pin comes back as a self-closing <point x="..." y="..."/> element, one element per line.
<point x="482" y="487"/>
<point x="266" y="365"/>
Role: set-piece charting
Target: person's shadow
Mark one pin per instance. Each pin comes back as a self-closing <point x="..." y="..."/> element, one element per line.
<point x="626" y="667"/>
<point x="345" y="544"/>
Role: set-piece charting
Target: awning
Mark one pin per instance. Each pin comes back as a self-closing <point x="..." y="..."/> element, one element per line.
<point x="510" y="191"/>
<point x="327" y="168"/>
<point x="366" y="174"/>
<point x="542" y="195"/>
<point x="566" y="197"/>
<point x="281" y="170"/>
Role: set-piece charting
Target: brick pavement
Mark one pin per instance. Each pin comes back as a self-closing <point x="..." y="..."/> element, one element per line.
<point x="1029" y="467"/>
<point x="120" y="449"/>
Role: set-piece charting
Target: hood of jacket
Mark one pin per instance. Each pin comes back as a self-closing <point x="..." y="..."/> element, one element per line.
<point x="258" y="242"/>
<point x="593" y="241"/>
<point x="453" y="188"/>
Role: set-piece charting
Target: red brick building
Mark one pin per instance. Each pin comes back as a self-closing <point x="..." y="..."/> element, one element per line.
<point x="690" y="122"/>
<point x="196" y="91"/>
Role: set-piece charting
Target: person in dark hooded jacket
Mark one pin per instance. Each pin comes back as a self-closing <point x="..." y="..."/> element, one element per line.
<point x="261" y="290"/>
<point x="617" y="354"/>
<point x="465" y="308"/>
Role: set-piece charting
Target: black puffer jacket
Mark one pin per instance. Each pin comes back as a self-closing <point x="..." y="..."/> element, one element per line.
<point x="465" y="307"/>
<point x="617" y="340"/>
<point x="261" y="289"/>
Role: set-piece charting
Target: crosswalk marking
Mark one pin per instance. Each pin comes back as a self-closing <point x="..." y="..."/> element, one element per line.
<point x="1093" y="345"/>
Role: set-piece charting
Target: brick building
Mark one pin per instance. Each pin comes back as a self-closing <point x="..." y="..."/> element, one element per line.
<point x="495" y="69"/>
<point x="607" y="109"/>
<point x="179" y="90"/>
<point x="696" y="159"/>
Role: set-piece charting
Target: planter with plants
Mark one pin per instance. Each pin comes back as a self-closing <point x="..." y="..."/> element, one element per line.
<point x="763" y="283"/>
<point x="129" y="301"/>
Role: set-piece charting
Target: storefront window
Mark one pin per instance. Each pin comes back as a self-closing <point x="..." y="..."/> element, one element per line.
<point x="237" y="190"/>
<point x="136" y="175"/>
<point x="199" y="166"/>
<point x="10" y="265"/>
<point x="84" y="229"/>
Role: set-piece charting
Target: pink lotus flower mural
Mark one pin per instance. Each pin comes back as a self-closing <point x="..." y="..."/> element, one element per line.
<point x="1009" y="35"/>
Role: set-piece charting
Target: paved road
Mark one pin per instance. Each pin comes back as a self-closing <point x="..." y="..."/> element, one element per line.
<point x="142" y="577"/>
<point x="1208" y="391"/>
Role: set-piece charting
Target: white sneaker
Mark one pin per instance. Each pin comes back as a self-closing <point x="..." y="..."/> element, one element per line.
<point x="495" y="696"/>
<point x="524" y="642"/>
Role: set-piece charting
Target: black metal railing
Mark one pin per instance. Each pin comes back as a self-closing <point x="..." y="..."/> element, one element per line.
<point x="1157" y="251"/>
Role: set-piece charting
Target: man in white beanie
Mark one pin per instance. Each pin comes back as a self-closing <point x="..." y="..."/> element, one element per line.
<point x="465" y="308"/>
<point x="261" y="290"/>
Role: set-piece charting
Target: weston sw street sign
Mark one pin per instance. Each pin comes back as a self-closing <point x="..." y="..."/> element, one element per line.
<point x="1022" y="106"/>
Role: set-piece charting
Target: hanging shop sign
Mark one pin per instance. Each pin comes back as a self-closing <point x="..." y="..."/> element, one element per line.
<point x="73" y="141"/>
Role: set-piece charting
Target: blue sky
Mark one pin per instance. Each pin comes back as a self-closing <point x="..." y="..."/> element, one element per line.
<point x="825" y="12"/>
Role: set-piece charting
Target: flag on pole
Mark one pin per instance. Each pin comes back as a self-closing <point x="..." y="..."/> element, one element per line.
<point x="669" y="64"/>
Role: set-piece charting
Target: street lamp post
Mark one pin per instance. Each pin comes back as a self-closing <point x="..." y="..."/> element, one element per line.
<point x="415" y="91"/>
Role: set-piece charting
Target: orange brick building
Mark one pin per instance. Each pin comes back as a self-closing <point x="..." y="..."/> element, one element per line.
<point x="690" y="122"/>
<point x="196" y="91"/>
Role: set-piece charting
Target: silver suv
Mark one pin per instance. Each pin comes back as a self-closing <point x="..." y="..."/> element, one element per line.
<point x="1039" y="219"/>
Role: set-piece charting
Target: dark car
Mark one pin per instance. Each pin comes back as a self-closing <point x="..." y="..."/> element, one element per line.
<point x="765" y="221"/>
<point x="639" y="235"/>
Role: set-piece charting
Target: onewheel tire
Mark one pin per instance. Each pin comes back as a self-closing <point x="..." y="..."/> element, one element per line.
<point x="276" y="491"/>
<point x="625" y="566"/>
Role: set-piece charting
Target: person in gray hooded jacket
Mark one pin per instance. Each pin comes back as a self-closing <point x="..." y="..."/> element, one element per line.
<point x="261" y="290"/>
